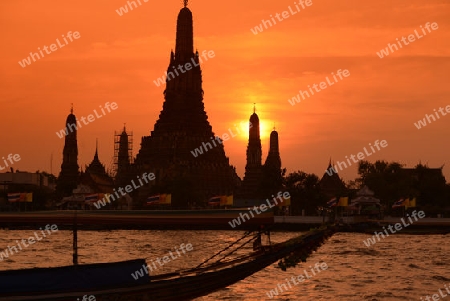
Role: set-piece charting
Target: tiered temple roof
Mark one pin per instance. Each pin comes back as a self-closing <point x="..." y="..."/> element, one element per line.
<point x="96" y="176"/>
<point x="181" y="128"/>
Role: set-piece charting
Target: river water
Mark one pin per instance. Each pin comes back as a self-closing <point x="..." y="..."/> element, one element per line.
<point x="398" y="267"/>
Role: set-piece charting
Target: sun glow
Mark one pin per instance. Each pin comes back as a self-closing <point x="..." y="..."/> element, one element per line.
<point x="264" y="130"/>
<point x="242" y="129"/>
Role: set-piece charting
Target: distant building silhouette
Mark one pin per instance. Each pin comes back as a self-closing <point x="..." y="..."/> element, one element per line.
<point x="69" y="175"/>
<point x="332" y="185"/>
<point x="422" y="172"/>
<point x="428" y="185"/>
<point x="17" y="179"/>
<point x="41" y="184"/>
<point x="182" y="127"/>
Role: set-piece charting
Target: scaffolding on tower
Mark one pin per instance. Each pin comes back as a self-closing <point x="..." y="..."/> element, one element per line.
<point x="123" y="150"/>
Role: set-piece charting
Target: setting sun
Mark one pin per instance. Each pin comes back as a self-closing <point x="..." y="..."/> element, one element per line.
<point x="253" y="130"/>
<point x="265" y="128"/>
<point x="265" y="70"/>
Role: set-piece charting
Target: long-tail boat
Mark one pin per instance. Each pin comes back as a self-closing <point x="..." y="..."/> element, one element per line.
<point x="113" y="281"/>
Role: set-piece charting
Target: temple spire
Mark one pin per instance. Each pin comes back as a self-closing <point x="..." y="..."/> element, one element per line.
<point x="273" y="160"/>
<point x="182" y="126"/>
<point x="184" y="45"/>
<point x="68" y="176"/>
<point x="254" y="141"/>
<point x="96" y="149"/>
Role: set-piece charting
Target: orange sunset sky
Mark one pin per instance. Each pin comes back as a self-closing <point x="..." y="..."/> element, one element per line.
<point x="117" y="58"/>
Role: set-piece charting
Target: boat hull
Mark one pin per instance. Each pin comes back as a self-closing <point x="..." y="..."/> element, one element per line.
<point x="194" y="283"/>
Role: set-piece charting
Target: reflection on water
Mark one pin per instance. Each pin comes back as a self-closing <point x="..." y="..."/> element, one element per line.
<point x="400" y="267"/>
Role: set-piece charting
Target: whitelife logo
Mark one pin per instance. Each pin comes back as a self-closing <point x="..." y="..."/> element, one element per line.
<point x="397" y="226"/>
<point x="12" y="158"/>
<point x="140" y="273"/>
<point x="284" y="15"/>
<point x="31" y="240"/>
<point x="263" y="207"/>
<point x="423" y="122"/>
<point x="124" y="9"/>
<point x="225" y="137"/>
<point x="359" y="155"/>
<point x="87" y="298"/>
<point x="296" y="280"/>
<point x="128" y="189"/>
<point x="170" y="75"/>
<point x="27" y="61"/>
<point x="72" y="126"/>
<point x="435" y="297"/>
<point x="411" y="38"/>
<point x="323" y="85"/>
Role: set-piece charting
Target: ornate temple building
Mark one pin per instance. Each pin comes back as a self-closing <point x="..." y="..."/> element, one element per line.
<point x="69" y="175"/>
<point x="170" y="150"/>
<point x="96" y="177"/>
<point x="181" y="128"/>
<point x="260" y="181"/>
